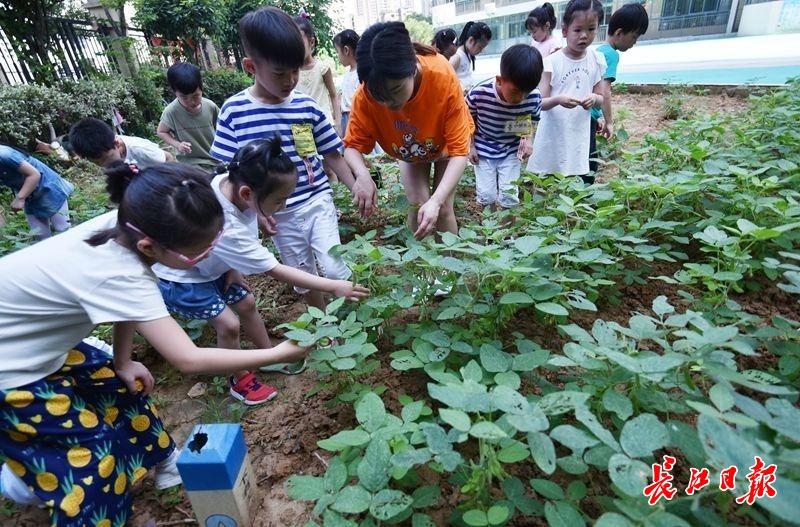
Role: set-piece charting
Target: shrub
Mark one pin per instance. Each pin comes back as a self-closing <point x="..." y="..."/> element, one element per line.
<point x="220" y="84"/>
<point x="26" y="110"/>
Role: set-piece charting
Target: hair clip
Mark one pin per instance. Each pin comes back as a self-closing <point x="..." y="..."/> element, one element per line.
<point x="134" y="169"/>
<point x="303" y="13"/>
<point x="186" y="182"/>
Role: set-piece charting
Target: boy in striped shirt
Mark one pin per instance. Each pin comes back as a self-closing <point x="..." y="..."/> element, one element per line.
<point x="504" y="109"/>
<point x="307" y="228"/>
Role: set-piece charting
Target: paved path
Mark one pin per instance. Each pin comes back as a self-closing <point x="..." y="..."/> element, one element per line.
<point x="763" y="60"/>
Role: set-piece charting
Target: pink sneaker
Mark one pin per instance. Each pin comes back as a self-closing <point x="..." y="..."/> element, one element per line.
<point x="250" y="390"/>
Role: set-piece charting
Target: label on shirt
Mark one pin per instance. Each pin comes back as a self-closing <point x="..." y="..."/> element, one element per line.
<point x="520" y="126"/>
<point x="304" y="143"/>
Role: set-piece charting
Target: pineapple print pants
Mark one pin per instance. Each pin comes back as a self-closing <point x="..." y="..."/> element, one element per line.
<point x="79" y="439"/>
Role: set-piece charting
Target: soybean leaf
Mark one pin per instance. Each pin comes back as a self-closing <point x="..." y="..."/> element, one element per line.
<point x="352" y="500"/>
<point x="388" y="503"/>
<point x="643" y="434"/>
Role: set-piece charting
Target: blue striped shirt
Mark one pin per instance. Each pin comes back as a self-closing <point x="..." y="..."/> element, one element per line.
<point x="243" y="119"/>
<point x="493" y="116"/>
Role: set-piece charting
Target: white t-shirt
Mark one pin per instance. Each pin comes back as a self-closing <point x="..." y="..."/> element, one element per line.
<point x="239" y="248"/>
<point x="142" y="152"/>
<point x="561" y="143"/>
<point x="349" y="87"/>
<point x="55" y="292"/>
<point x="464" y="69"/>
<point x="546" y="47"/>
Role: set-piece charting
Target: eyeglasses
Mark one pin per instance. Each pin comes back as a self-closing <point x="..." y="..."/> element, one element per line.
<point x="182" y="257"/>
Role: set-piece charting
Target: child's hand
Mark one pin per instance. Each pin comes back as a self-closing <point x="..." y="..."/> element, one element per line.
<point x="427" y="216"/>
<point x="473" y="155"/>
<point x="136" y="377"/>
<point x="605" y="129"/>
<point x="568" y="102"/>
<point x="18" y="204"/>
<point x="525" y="148"/>
<point x="185" y="147"/>
<point x="365" y="195"/>
<point x="267" y="225"/>
<point x="588" y="102"/>
<point x="350" y="291"/>
<point x="235" y="277"/>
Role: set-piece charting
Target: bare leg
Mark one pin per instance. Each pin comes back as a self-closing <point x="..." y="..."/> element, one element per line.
<point x="416" y="183"/>
<point x="226" y="324"/>
<point x="252" y="324"/>
<point x="447" y="215"/>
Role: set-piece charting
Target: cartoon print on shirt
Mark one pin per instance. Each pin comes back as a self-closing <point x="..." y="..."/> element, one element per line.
<point x="413" y="151"/>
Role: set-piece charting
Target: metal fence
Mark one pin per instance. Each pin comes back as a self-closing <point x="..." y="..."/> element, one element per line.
<point x="81" y="48"/>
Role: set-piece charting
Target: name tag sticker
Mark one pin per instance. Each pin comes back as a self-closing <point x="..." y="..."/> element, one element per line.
<point x="520" y="126"/>
<point x="303" y="136"/>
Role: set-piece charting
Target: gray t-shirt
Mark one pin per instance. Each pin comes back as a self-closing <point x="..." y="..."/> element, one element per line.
<point x="195" y="128"/>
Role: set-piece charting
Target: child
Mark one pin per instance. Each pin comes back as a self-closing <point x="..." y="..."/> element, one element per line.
<point x="410" y="102"/>
<point x="474" y="37"/>
<point x="94" y="140"/>
<point x="503" y="109"/>
<point x="570" y="86"/>
<point x="345" y="44"/>
<point x="308" y="228"/>
<point x="626" y="25"/>
<point x="445" y="42"/>
<point x="187" y="123"/>
<point x="39" y="190"/>
<point x="78" y="426"/>
<point x="316" y="78"/>
<point x="260" y="180"/>
<point x="540" y="24"/>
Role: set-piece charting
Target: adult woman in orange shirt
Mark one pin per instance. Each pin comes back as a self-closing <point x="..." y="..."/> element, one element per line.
<point x="410" y="102"/>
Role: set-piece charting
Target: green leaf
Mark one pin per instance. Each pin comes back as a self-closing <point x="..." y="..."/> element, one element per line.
<point x="513" y="453"/>
<point x="497" y="515"/>
<point x="334" y="306"/>
<point x="487" y="430"/>
<point x="449" y="313"/>
<point x="370" y="411"/>
<point x="304" y="488"/>
<point x="411" y="457"/>
<point x="528" y="244"/>
<point x="576" y="490"/>
<point x="620" y="404"/>
<point x="412" y="411"/>
<point x="426" y="496"/>
<point x="352" y="500"/>
<point x="509" y="401"/>
<point x="375" y="467"/>
<point x="456" y="418"/>
<point x="529" y="361"/>
<point x="665" y="519"/>
<point x="543" y="451"/>
<point x="343" y="439"/>
<point x="494" y="360"/>
<point x="573" y="438"/>
<point x="335" y="476"/>
<point x="643" y="434"/>
<point x="475" y="518"/>
<point x="562" y="514"/>
<point x="334" y="519"/>
<point x="389" y="503"/>
<point x="721" y="396"/>
<point x="345" y="363"/>
<point x="422" y="520"/>
<point x="548" y="489"/>
<point x="630" y="475"/>
<point x="551" y="308"/>
<point x="613" y="519"/>
<point x="662" y="307"/>
<point x="472" y="372"/>
<point x="516" y="297"/>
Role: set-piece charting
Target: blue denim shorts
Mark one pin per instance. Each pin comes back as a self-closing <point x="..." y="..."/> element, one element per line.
<point x="203" y="300"/>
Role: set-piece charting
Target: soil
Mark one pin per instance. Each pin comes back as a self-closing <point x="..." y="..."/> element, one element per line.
<point x="282" y="435"/>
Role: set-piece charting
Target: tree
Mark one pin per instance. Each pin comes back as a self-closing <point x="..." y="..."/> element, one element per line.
<point x="186" y="22"/>
<point x="317" y="11"/>
<point x="419" y="27"/>
<point x="30" y="29"/>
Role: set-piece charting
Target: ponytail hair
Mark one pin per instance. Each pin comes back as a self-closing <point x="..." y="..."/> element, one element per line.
<point x="443" y="39"/>
<point x="306" y="28"/>
<point x="172" y="203"/>
<point x="347" y="38"/>
<point x="476" y="31"/>
<point x="385" y="52"/>
<point x="263" y="166"/>
<point x="544" y="14"/>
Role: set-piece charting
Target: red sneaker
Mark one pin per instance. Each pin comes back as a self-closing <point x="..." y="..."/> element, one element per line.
<point x="250" y="390"/>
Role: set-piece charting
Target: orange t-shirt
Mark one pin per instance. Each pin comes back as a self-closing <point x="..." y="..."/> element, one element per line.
<point x="434" y="123"/>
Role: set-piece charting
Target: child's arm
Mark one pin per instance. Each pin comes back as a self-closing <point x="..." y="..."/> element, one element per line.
<point x="299" y="278"/>
<point x="128" y="370"/>
<point x="167" y="337"/>
<point x="455" y="61"/>
<point x="165" y="133"/>
<point x="335" y="104"/>
<point x="32" y="178"/>
<point x="607" y="128"/>
<point x="365" y="193"/>
<point x="341" y="168"/>
<point x="595" y="99"/>
<point x="549" y="102"/>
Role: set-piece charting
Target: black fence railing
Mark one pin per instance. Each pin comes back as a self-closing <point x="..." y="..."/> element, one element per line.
<point x="81" y="48"/>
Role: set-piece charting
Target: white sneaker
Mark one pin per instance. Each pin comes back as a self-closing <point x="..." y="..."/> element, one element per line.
<point x="13" y="488"/>
<point x="102" y="345"/>
<point x="167" y="474"/>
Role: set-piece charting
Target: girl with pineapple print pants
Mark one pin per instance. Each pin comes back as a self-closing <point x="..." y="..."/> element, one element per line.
<point x="77" y="425"/>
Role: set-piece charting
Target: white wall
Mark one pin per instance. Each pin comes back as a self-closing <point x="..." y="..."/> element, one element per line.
<point x="760" y="19"/>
